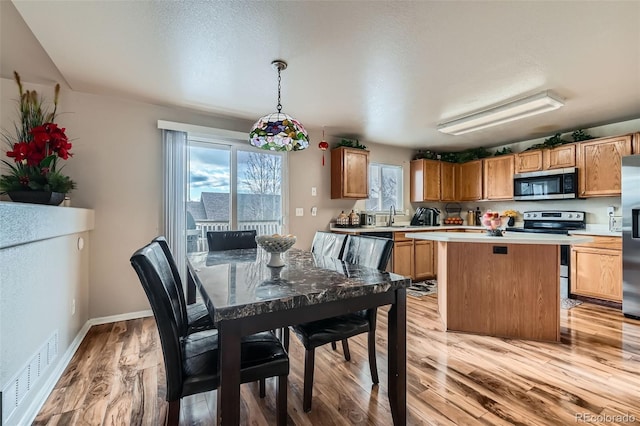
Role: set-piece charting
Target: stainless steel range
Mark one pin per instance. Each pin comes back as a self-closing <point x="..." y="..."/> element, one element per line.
<point x="555" y="222"/>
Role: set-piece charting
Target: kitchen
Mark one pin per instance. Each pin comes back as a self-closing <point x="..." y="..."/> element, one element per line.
<point x="127" y="201"/>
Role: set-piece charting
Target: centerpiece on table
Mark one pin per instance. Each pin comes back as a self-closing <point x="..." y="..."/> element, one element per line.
<point x="494" y="223"/>
<point x="275" y="245"/>
<point x="36" y="148"/>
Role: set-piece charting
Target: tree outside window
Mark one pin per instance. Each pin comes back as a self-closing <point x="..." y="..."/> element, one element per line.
<point x="385" y="187"/>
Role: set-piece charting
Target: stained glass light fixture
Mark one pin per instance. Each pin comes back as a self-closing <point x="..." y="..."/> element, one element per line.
<point x="278" y="131"/>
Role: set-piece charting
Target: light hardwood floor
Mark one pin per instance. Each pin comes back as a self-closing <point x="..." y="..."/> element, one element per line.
<point x="117" y="378"/>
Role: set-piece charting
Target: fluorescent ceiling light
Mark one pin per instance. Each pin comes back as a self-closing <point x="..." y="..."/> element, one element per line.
<point x="521" y="108"/>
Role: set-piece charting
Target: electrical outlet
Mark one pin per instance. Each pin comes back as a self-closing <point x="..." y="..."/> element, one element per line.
<point x="314" y="211"/>
<point x="299" y="211"/>
<point x="611" y="210"/>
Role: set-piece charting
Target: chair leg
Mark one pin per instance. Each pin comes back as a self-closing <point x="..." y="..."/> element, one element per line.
<point x="372" y="356"/>
<point x="309" y="359"/>
<point x="334" y="346"/>
<point x="281" y="406"/>
<point x="285" y="338"/>
<point x="173" y="415"/>
<point x="262" y="386"/>
<point x="345" y="349"/>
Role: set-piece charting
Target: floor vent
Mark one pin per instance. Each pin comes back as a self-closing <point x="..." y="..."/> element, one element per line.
<point x="27" y="377"/>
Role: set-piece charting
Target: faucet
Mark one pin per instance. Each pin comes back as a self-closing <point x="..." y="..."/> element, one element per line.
<point x="392" y="213"/>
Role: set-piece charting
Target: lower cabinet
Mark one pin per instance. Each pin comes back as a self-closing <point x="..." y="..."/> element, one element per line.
<point x="423" y="260"/>
<point x="415" y="259"/>
<point x="596" y="269"/>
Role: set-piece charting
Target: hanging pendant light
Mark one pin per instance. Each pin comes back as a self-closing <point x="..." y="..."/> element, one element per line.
<point x="278" y="131"/>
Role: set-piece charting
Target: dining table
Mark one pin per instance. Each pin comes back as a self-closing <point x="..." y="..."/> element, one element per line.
<point x="245" y="296"/>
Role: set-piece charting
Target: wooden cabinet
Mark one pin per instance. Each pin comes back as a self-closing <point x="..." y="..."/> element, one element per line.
<point x="468" y="180"/>
<point x="529" y="161"/>
<point x="349" y="173"/>
<point x="447" y="181"/>
<point x="636" y="143"/>
<point x="425" y="180"/>
<point x="560" y="157"/>
<point x="600" y="166"/>
<point x="413" y="258"/>
<point x="424" y="260"/>
<point x="596" y="269"/>
<point x="498" y="177"/>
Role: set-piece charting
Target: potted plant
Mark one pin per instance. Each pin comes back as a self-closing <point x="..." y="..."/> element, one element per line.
<point x="35" y="149"/>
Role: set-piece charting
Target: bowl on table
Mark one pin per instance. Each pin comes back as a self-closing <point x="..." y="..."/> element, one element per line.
<point x="275" y="244"/>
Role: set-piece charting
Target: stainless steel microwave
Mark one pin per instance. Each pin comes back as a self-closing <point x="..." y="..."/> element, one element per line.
<point x="546" y="185"/>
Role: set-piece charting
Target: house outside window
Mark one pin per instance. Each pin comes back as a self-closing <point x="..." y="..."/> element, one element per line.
<point x="385" y="187"/>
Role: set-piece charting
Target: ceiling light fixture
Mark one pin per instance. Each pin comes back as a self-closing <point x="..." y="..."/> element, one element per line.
<point x="521" y="108"/>
<point x="278" y="131"/>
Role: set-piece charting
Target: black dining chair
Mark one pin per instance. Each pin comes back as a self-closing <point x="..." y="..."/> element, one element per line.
<point x="197" y="315"/>
<point x="368" y="251"/>
<point x="191" y="360"/>
<point x="231" y="240"/>
<point x="328" y="244"/>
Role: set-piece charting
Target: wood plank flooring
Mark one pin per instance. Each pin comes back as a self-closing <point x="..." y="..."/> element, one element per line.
<point x="117" y="378"/>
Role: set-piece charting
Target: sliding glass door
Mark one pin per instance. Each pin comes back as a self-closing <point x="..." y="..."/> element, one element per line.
<point x="232" y="188"/>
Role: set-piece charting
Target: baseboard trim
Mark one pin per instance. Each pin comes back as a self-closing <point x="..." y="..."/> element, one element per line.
<point x="41" y="396"/>
<point x="121" y="317"/>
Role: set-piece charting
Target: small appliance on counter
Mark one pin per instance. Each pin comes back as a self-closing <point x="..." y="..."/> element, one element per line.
<point x="367" y="220"/>
<point x="426" y="216"/>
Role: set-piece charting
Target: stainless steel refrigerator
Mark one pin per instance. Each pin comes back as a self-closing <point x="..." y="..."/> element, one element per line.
<point x="631" y="236"/>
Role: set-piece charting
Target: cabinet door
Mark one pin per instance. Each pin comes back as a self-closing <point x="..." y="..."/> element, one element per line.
<point x="529" y="161"/>
<point x="423" y="264"/>
<point x="600" y="166"/>
<point x="425" y="180"/>
<point x="636" y="143"/>
<point x="447" y="181"/>
<point x="403" y="258"/>
<point x="349" y="173"/>
<point x="469" y="181"/>
<point x="596" y="273"/>
<point x="498" y="177"/>
<point x="560" y="157"/>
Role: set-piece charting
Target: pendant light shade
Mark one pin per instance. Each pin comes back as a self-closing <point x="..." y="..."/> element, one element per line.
<point x="278" y="131"/>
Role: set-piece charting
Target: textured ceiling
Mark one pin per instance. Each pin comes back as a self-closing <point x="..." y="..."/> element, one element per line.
<point x="385" y="72"/>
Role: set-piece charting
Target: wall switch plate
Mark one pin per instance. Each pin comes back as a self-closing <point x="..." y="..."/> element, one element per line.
<point x="314" y="191"/>
<point x="610" y="210"/>
<point x="299" y="211"/>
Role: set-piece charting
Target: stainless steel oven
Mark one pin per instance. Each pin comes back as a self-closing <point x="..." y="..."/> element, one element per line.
<point x="556" y="222"/>
<point x="546" y="185"/>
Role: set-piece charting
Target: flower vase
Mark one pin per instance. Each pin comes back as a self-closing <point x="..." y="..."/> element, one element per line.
<point x="37" y="197"/>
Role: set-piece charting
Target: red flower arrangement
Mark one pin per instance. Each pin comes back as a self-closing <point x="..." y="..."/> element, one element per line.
<point x="37" y="148"/>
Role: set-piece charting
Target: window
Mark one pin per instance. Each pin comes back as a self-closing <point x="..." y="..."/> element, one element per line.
<point x="230" y="187"/>
<point x="385" y="187"/>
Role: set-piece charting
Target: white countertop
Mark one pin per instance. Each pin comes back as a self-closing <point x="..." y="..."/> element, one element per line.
<point x="405" y="228"/>
<point x="508" y="238"/>
<point x="597" y="230"/>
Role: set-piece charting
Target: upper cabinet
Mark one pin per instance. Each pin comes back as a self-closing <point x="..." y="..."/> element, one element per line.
<point x="447" y="181"/>
<point x="529" y="161"/>
<point x="560" y="157"/>
<point x="468" y="181"/>
<point x="349" y="173"/>
<point x="600" y="164"/>
<point x="636" y="143"/>
<point x="425" y="180"/>
<point x="498" y="177"/>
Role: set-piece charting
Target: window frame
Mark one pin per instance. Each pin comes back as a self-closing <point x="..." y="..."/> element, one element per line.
<point x="400" y="168"/>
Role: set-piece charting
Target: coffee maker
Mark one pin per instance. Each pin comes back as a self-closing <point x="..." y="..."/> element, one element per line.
<point x="426" y="216"/>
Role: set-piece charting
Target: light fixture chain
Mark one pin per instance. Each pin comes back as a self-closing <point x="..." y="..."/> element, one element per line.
<point x="279" y="80"/>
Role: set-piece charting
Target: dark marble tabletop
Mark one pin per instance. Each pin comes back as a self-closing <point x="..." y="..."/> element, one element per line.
<point x="239" y="283"/>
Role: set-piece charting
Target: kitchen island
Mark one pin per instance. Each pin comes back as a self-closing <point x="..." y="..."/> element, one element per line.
<point x="500" y="286"/>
